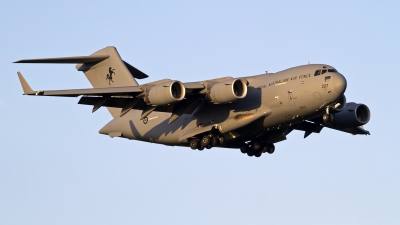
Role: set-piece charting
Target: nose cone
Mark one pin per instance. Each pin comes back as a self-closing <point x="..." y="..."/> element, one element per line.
<point x="339" y="83"/>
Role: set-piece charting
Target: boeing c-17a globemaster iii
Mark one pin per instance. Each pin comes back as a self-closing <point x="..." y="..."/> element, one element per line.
<point x="247" y="113"/>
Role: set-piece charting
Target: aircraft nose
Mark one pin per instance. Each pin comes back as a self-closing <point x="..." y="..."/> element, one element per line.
<point x="339" y="83"/>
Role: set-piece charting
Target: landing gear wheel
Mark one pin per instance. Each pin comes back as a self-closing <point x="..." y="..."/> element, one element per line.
<point x="326" y="118"/>
<point x="193" y="143"/>
<point x="250" y="152"/>
<point x="271" y="148"/>
<point x="214" y="141"/>
<point x="201" y="146"/>
<point x="243" y="149"/>
<point x="257" y="146"/>
<point x="265" y="149"/>
<point x="208" y="146"/>
<point x="205" y="140"/>
<point x="221" y="140"/>
<point x="257" y="153"/>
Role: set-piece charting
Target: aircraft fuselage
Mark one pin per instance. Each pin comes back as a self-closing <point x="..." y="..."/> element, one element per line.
<point x="274" y="101"/>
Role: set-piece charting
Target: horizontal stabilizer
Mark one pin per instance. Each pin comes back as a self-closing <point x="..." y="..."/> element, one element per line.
<point x="72" y="60"/>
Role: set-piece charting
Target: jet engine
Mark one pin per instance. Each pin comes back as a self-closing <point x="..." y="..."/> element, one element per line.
<point x="227" y="91"/>
<point x="166" y="93"/>
<point x="353" y="115"/>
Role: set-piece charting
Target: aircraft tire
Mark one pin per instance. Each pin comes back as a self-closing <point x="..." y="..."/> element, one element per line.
<point x="257" y="146"/>
<point x="243" y="149"/>
<point x="257" y="153"/>
<point x="326" y="118"/>
<point x="250" y="152"/>
<point x="221" y="140"/>
<point x="271" y="148"/>
<point x="209" y="146"/>
<point x="205" y="140"/>
<point x="265" y="149"/>
<point x="193" y="143"/>
<point x="201" y="146"/>
<point x="214" y="141"/>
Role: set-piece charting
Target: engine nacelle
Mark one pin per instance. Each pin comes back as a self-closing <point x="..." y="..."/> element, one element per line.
<point x="353" y="115"/>
<point x="166" y="93"/>
<point x="227" y="91"/>
<point x="342" y="102"/>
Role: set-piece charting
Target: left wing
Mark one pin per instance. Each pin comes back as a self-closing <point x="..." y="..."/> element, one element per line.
<point x="115" y="91"/>
<point x="126" y="98"/>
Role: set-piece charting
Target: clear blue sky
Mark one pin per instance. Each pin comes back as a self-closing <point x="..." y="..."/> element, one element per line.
<point x="56" y="169"/>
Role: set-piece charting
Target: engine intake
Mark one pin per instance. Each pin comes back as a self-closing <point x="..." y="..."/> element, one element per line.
<point x="353" y="115"/>
<point x="227" y="91"/>
<point x="166" y="93"/>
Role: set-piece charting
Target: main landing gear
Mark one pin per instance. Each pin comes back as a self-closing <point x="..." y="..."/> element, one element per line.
<point x="207" y="141"/>
<point x="257" y="148"/>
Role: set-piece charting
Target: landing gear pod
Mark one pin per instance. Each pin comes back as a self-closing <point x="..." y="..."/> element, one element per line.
<point x="227" y="91"/>
<point x="166" y="93"/>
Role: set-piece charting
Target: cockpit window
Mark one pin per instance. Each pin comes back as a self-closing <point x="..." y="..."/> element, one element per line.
<point x="317" y="73"/>
<point x="323" y="71"/>
<point x="332" y="70"/>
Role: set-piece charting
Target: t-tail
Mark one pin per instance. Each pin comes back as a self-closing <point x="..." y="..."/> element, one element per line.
<point x="103" y="69"/>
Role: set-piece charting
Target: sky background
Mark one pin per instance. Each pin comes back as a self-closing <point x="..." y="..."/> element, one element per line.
<point x="56" y="169"/>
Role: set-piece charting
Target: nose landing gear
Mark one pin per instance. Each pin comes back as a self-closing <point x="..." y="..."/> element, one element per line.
<point x="327" y="117"/>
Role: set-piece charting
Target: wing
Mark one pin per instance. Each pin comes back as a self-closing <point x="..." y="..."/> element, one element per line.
<point x="115" y="91"/>
<point x="351" y="130"/>
<point x="316" y="125"/>
<point x="126" y="98"/>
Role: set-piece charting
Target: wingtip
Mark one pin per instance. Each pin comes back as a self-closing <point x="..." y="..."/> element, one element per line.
<point x="25" y="86"/>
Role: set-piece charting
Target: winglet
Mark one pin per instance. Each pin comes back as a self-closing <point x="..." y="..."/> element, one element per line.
<point x="25" y="86"/>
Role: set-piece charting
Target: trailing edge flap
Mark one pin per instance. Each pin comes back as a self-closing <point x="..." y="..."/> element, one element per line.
<point x="71" y="60"/>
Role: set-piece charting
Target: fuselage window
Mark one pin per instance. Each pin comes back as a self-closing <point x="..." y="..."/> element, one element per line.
<point x="323" y="71"/>
<point x="332" y="71"/>
<point x="317" y="73"/>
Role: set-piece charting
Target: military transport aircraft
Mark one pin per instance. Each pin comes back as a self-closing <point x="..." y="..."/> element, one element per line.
<point x="249" y="113"/>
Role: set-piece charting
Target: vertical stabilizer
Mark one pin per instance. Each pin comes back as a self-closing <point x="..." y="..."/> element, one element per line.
<point x="111" y="72"/>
